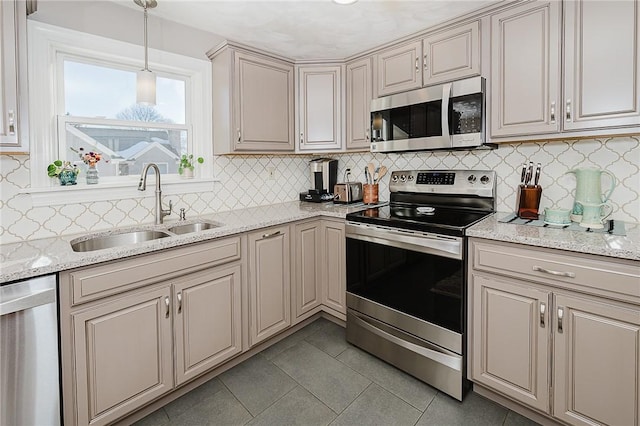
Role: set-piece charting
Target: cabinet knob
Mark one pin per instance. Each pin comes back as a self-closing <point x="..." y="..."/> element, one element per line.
<point x="560" y="317"/>
<point x="12" y="122"/>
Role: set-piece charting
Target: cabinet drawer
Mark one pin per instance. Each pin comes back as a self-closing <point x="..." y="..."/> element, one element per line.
<point x="115" y="277"/>
<point x="615" y="278"/>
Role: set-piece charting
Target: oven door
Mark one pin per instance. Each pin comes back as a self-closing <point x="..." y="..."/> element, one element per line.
<point x="410" y="280"/>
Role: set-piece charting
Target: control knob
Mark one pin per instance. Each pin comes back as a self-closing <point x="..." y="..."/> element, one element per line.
<point x="410" y="178"/>
<point x="484" y="179"/>
<point x="403" y="178"/>
<point x="472" y="179"/>
<point x="394" y="178"/>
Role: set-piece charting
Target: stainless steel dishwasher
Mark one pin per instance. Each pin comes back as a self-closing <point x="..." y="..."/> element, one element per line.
<point x="29" y="370"/>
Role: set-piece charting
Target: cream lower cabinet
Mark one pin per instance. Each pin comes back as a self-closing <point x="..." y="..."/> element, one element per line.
<point x="306" y="292"/>
<point x="334" y="268"/>
<point x="557" y="332"/>
<point x="134" y="329"/>
<point x="123" y="356"/>
<point x="269" y="283"/>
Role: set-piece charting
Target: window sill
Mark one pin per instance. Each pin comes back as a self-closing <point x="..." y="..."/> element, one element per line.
<point x="83" y="193"/>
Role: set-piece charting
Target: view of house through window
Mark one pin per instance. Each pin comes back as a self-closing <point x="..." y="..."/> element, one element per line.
<point x="101" y="115"/>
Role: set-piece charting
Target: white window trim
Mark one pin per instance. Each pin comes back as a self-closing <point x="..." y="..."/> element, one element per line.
<point x="46" y="44"/>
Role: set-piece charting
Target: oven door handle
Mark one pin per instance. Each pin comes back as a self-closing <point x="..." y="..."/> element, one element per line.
<point x="432" y="352"/>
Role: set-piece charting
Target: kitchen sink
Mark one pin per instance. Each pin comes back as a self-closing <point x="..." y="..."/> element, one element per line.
<point x="192" y="227"/>
<point x="116" y="240"/>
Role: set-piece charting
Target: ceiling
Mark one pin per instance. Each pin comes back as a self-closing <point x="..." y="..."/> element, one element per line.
<point x="313" y="29"/>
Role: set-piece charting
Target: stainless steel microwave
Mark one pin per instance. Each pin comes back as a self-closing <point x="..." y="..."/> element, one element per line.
<point x="446" y="116"/>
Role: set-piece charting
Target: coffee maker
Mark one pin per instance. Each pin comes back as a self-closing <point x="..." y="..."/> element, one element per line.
<point x="324" y="175"/>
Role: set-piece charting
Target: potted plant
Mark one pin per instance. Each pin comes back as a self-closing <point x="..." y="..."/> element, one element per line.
<point x="65" y="172"/>
<point x="186" y="167"/>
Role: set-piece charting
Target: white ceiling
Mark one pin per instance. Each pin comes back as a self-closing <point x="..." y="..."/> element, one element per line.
<point x="313" y="29"/>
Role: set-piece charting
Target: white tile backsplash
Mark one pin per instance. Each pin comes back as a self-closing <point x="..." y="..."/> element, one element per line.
<point x="245" y="182"/>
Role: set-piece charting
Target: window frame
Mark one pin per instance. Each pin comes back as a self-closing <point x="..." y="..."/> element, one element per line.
<point x="48" y="47"/>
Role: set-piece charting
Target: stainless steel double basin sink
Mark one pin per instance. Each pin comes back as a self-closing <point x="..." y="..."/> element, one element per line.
<point x="138" y="236"/>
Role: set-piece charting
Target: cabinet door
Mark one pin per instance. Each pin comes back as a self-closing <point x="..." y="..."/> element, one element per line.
<point x="263" y="104"/>
<point x="359" y="96"/>
<point x="596" y="362"/>
<point x="511" y="336"/>
<point x="269" y="283"/>
<point x="123" y="355"/>
<point x="452" y="54"/>
<point x="13" y="136"/>
<point x="399" y="69"/>
<point x="319" y="108"/>
<point x="207" y="320"/>
<point x="306" y="290"/>
<point x="334" y="266"/>
<point x="602" y="52"/>
<point x="525" y="70"/>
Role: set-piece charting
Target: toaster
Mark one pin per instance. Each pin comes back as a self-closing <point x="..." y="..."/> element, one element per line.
<point x="347" y="192"/>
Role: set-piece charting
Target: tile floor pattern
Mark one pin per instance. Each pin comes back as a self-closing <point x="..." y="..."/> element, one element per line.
<point x="314" y="377"/>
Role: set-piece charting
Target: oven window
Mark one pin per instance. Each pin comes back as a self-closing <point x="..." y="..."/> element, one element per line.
<point x="408" y="122"/>
<point x="422" y="285"/>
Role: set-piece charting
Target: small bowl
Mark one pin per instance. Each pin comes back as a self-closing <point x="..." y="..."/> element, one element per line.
<point x="557" y="216"/>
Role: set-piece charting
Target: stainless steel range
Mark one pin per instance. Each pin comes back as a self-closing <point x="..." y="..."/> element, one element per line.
<point x="406" y="272"/>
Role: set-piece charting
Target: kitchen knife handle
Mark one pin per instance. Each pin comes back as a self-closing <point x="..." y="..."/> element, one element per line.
<point x="524" y="173"/>
<point x="543" y="310"/>
<point x="536" y="179"/>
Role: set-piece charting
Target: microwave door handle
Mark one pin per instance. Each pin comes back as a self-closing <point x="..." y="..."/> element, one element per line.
<point x="446" y="98"/>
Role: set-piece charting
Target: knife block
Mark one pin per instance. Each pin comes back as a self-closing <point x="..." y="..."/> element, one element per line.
<point x="528" y="201"/>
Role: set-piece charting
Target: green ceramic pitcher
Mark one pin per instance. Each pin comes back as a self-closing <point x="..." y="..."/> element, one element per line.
<point x="589" y="188"/>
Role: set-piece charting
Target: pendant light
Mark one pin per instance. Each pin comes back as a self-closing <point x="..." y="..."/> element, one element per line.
<point x="146" y="83"/>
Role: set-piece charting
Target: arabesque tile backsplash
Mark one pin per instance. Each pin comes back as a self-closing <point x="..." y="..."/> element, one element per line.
<point x="244" y="183"/>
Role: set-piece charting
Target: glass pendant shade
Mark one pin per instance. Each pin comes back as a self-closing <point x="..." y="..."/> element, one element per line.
<point x="146" y="88"/>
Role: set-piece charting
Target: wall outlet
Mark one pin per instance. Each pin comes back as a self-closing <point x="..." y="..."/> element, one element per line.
<point x="271" y="173"/>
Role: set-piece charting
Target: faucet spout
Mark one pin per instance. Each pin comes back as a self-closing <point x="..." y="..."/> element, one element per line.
<point x="160" y="212"/>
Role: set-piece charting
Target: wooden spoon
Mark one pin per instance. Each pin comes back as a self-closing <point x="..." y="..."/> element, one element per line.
<point x="381" y="173"/>
<point x="372" y="171"/>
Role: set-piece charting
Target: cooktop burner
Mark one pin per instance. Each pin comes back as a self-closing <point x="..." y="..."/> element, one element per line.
<point x="437" y="201"/>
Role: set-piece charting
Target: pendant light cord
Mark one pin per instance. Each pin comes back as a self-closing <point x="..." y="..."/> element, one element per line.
<point x="146" y="48"/>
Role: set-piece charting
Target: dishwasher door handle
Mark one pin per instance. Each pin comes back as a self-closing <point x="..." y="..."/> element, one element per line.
<point x="27" y="301"/>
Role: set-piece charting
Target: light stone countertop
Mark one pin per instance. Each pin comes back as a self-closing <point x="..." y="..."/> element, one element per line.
<point x="604" y="244"/>
<point x="49" y="255"/>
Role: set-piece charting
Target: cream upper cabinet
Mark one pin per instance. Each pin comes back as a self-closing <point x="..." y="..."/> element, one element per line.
<point x="399" y="69"/>
<point x="207" y="320"/>
<point x="122" y="356"/>
<point x="451" y="54"/>
<point x="359" y="86"/>
<point x="13" y="84"/>
<point x="319" y="109"/>
<point x="601" y="57"/>
<point x="253" y="102"/>
<point x="511" y="339"/>
<point x="269" y="283"/>
<point x="525" y="70"/>
<point x="307" y="277"/>
<point x="545" y="319"/>
<point x="333" y="260"/>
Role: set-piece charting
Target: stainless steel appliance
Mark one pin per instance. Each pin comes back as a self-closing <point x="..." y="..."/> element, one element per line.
<point x="29" y="370"/>
<point x="324" y="172"/>
<point x="446" y="116"/>
<point x="406" y="270"/>
<point x="347" y="192"/>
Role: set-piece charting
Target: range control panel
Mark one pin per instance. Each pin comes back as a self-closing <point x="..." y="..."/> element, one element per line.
<point x="479" y="182"/>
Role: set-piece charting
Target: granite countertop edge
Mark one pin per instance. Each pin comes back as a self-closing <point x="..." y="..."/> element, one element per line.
<point x="34" y="258"/>
<point x="602" y="244"/>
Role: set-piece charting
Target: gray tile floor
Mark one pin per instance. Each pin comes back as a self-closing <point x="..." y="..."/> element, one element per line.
<point x="314" y="377"/>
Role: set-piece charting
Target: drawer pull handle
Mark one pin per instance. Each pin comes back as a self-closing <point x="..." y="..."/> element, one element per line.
<point x="417" y="66"/>
<point x="560" y="316"/>
<point x="273" y="234"/>
<point x="166" y="304"/>
<point x="553" y="112"/>
<point x="179" y="302"/>
<point x="552" y="272"/>
<point x="12" y="123"/>
<point x="543" y="309"/>
<point x="239" y="135"/>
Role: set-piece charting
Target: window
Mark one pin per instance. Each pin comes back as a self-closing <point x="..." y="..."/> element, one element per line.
<point x="88" y="104"/>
